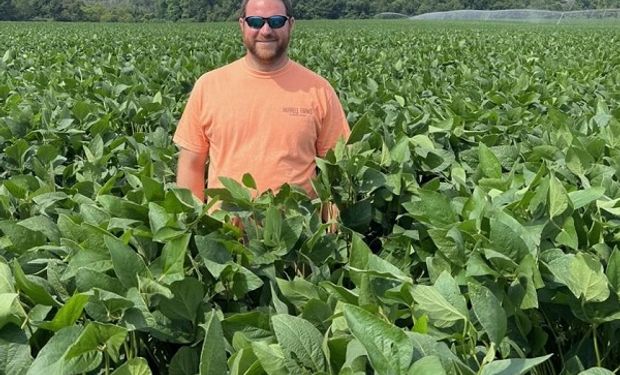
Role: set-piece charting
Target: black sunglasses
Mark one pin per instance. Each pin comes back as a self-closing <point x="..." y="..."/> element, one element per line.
<point x="257" y="22"/>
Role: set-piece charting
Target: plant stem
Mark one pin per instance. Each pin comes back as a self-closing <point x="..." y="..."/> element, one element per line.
<point x="134" y="345"/>
<point x="596" y="351"/>
<point x="126" y="347"/>
<point x="472" y="345"/>
<point x="555" y="336"/>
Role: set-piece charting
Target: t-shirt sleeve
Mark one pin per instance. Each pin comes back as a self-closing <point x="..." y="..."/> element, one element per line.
<point x="191" y="130"/>
<point x="334" y="126"/>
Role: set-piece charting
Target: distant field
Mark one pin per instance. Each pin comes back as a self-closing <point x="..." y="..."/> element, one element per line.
<point x="479" y="196"/>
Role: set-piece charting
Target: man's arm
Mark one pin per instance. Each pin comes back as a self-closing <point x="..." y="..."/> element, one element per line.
<point x="334" y="127"/>
<point x="191" y="172"/>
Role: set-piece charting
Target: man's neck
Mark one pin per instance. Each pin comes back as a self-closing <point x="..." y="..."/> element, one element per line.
<point x="261" y="66"/>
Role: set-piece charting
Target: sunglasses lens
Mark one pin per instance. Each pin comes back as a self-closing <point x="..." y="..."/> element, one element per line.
<point x="255" y="22"/>
<point x="276" y="22"/>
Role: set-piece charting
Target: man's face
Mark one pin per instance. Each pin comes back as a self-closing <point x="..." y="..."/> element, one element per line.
<point x="266" y="45"/>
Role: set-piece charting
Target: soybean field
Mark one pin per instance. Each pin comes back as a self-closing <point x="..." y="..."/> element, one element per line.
<point x="479" y="198"/>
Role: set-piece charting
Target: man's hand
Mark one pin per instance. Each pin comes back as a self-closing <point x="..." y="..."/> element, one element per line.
<point x="330" y="213"/>
<point x="191" y="172"/>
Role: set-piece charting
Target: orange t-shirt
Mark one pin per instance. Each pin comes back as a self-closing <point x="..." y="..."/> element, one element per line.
<point x="271" y="125"/>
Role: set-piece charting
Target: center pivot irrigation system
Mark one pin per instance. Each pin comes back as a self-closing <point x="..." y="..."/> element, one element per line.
<point x="526" y="15"/>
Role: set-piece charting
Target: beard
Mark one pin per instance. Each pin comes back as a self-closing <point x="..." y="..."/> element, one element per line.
<point x="267" y="52"/>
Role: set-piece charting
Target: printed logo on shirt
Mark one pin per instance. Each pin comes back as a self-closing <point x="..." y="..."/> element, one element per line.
<point x="297" y="111"/>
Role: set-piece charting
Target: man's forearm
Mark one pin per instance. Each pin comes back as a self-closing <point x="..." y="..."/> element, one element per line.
<point x="193" y="182"/>
<point x="191" y="172"/>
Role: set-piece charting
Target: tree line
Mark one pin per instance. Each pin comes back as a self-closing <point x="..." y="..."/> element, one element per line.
<point x="221" y="10"/>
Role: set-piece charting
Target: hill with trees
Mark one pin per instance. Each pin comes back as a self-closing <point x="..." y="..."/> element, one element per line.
<point x="211" y="10"/>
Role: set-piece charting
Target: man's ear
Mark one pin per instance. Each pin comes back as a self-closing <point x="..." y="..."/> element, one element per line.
<point x="241" y="22"/>
<point x="291" y="21"/>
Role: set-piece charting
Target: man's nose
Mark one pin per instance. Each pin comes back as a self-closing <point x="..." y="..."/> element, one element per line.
<point x="266" y="29"/>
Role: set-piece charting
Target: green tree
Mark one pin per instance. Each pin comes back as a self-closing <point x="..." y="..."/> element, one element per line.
<point x="358" y="9"/>
<point x="7" y="10"/>
<point x="71" y="10"/>
<point x="24" y="9"/>
<point x="174" y="12"/>
<point x="93" y="12"/>
<point x="477" y="4"/>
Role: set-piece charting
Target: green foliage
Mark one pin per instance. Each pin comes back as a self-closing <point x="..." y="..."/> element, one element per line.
<point x="479" y="197"/>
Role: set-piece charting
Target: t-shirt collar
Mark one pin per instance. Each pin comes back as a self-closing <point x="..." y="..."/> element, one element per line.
<point x="261" y="74"/>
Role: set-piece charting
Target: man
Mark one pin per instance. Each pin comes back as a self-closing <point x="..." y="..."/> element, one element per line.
<point x="262" y="114"/>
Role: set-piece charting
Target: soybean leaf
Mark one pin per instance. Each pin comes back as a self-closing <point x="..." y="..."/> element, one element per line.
<point x="388" y="347"/>
<point x="134" y="366"/>
<point x="427" y="365"/>
<point x="6" y="278"/>
<point x="153" y="189"/>
<point x="279" y="306"/>
<point x="68" y="314"/>
<point x="128" y="265"/>
<point x="51" y="359"/>
<point x="432" y="208"/>
<point x="298" y="291"/>
<point x="245" y="362"/>
<point x="15" y="355"/>
<point x="510" y="238"/>
<point x="158" y="217"/>
<point x="300" y="341"/>
<point x="279" y="233"/>
<point x="214" y="254"/>
<point x="22" y="238"/>
<point x="596" y="371"/>
<point x="586" y="279"/>
<point x="447" y="286"/>
<point x="318" y="313"/>
<point x="96" y="336"/>
<point x="41" y="225"/>
<point x="558" y="198"/>
<point x="185" y="362"/>
<point x="582" y="198"/>
<point x="187" y="298"/>
<point x="356" y="355"/>
<point x="613" y="270"/>
<point x="271" y="358"/>
<point x="610" y="206"/>
<point x="401" y="153"/>
<point x="426" y="345"/>
<point x="123" y="208"/>
<point x="248" y="181"/>
<point x="568" y="235"/>
<point x="169" y="266"/>
<point x="87" y="279"/>
<point x="489" y="164"/>
<point x="583" y="275"/>
<point x="513" y="366"/>
<point x="32" y="286"/>
<point x="213" y="355"/>
<point x="430" y="301"/>
<point x="11" y="310"/>
<point x="362" y="259"/>
<point x="489" y="312"/>
<point x="179" y="200"/>
<point x="361" y="128"/>
<point x="237" y="191"/>
<point x="245" y="281"/>
<point x="341" y="293"/>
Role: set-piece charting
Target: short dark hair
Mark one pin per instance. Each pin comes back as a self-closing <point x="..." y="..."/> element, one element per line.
<point x="287" y="5"/>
